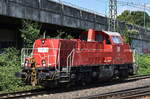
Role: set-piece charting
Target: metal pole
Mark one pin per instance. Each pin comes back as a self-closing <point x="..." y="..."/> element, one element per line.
<point x="112" y="15"/>
<point x="144" y="15"/>
<point x="144" y="28"/>
<point x="59" y="1"/>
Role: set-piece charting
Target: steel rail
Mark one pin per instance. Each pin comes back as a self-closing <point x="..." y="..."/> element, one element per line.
<point x="22" y="94"/>
<point x="123" y="94"/>
<point x="137" y="77"/>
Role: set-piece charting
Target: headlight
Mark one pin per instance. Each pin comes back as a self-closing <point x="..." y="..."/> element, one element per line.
<point x="43" y="41"/>
<point x="26" y="62"/>
<point x="43" y="63"/>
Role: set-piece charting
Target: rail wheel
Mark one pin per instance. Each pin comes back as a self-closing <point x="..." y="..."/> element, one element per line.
<point x="123" y="74"/>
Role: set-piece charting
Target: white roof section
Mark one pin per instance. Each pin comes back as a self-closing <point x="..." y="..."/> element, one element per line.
<point x="112" y="33"/>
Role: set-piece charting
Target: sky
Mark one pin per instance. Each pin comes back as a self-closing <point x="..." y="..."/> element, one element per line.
<point x="101" y="6"/>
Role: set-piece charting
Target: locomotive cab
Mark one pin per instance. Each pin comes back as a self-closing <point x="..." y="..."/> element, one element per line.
<point x="115" y="50"/>
<point x="105" y="37"/>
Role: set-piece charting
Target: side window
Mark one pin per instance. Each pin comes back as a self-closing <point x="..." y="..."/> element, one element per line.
<point x="116" y="39"/>
<point x="83" y="37"/>
<point x="99" y="37"/>
<point x="107" y="41"/>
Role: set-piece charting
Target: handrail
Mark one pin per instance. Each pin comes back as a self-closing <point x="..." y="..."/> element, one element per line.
<point x="58" y="59"/>
<point x="70" y="62"/>
<point x="28" y="52"/>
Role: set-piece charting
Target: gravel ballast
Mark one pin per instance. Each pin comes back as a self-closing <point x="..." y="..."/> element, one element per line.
<point x="96" y="90"/>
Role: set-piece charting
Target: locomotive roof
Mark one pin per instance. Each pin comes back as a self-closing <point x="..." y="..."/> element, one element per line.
<point x="112" y="33"/>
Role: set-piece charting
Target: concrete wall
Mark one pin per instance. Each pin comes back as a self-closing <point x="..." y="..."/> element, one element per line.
<point x="50" y="12"/>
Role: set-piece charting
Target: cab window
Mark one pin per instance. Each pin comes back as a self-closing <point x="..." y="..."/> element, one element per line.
<point x="107" y="41"/>
<point x="116" y="40"/>
<point x="99" y="37"/>
<point x="83" y="37"/>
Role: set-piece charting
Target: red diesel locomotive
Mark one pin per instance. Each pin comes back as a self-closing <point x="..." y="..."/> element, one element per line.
<point x="96" y="55"/>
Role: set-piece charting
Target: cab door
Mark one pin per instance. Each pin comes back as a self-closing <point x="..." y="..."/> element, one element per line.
<point x="117" y="49"/>
<point x="108" y="57"/>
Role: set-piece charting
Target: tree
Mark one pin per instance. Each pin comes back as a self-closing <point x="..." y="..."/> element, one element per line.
<point x="30" y="32"/>
<point x="135" y="17"/>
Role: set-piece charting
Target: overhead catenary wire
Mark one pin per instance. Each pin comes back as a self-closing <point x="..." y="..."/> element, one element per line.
<point x="132" y="4"/>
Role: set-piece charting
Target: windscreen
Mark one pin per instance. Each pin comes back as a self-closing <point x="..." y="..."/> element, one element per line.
<point x="116" y="39"/>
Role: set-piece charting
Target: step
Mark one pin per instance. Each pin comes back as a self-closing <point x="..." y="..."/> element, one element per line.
<point x="65" y="69"/>
<point x="64" y="79"/>
<point x="64" y="76"/>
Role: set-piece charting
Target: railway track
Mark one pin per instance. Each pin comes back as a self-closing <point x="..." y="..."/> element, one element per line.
<point x="123" y="93"/>
<point x="137" y="77"/>
<point x="22" y="94"/>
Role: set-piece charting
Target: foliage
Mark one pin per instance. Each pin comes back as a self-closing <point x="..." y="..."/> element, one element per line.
<point x="144" y="64"/>
<point x="20" y="88"/>
<point x="124" y="32"/>
<point x="133" y="31"/>
<point x="10" y="59"/>
<point x="30" y="32"/>
<point x="128" y="33"/>
<point x="62" y="35"/>
<point x="9" y="65"/>
<point x="135" y="17"/>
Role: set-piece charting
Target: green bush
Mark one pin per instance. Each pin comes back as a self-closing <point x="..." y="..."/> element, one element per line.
<point x="9" y="65"/>
<point x="30" y="32"/>
<point x="144" y="64"/>
<point x="10" y="59"/>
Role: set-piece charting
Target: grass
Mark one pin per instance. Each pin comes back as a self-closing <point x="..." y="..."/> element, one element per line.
<point x="143" y="64"/>
<point x="20" y="88"/>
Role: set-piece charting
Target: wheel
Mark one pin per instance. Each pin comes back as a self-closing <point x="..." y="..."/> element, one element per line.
<point x="123" y="74"/>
